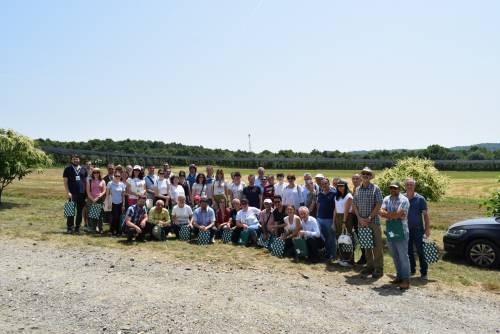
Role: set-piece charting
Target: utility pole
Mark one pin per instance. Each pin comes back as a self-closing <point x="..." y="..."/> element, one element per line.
<point x="249" y="144"/>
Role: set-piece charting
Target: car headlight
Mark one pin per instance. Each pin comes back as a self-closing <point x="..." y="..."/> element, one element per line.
<point x="456" y="232"/>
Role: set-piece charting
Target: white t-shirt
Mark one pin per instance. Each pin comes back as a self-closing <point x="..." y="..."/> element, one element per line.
<point x="162" y="186"/>
<point x="237" y="190"/>
<point x="182" y="214"/>
<point x="136" y="186"/>
<point x="292" y="196"/>
<point x="199" y="189"/>
<point x="278" y="188"/>
<point x="219" y="188"/>
<point x="249" y="217"/>
<point x="176" y="192"/>
<point x="340" y="204"/>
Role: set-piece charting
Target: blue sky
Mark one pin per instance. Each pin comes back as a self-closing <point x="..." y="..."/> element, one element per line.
<point x="346" y="75"/>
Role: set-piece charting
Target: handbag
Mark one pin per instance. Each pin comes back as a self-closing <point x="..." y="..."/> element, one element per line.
<point x="300" y="246"/>
<point x="204" y="238"/>
<point x="227" y="234"/>
<point x="261" y="242"/>
<point x="69" y="209"/>
<point x="431" y="252"/>
<point x="394" y="230"/>
<point x="345" y="242"/>
<point x="108" y="204"/>
<point x="95" y="210"/>
<point x="243" y="240"/>
<point x="157" y="232"/>
<point x="278" y="247"/>
<point x="184" y="233"/>
<point x="365" y="236"/>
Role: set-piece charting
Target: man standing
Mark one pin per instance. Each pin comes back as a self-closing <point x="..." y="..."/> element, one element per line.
<point x="395" y="210"/>
<point x="310" y="232"/>
<point x="236" y="187"/>
<point x="366" y="205"/>
<point x="75" y="184"/>
<point x="253" y="193"/>
<point x="260" y="178"/>
<point x="109" y="177"/>
<point x="326" y="206"/>
<point x="417" y="227"/>
<point x="151" y="180"/>
<point x="136" y="220"/>
<point x="209" y="181"/>
<point x="280" y="186"/>
<point x="204" y="218"/>
<point x="191" y="178"/>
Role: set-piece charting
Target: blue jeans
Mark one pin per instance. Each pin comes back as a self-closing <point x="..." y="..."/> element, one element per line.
<point x="399" y="253"/>
<point x="328" y="234"/>
<point x="416" y="237"/>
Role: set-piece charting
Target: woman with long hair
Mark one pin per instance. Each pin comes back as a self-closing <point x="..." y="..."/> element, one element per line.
<point x="136" y="186"/>
<point x="219" y="189"/>
<point x="116" y="189"/>
<point x="199" y="187"/>
<point x="96" y="189"/>
<point x="343" y="217"/>
<point x="162" y="188"/>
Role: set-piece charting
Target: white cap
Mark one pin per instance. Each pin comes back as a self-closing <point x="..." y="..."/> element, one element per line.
<point x="320" y="176"/>
<point x="268" y="200"/>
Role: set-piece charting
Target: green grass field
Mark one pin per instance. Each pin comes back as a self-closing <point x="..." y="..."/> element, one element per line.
<point x="32" y="208"/>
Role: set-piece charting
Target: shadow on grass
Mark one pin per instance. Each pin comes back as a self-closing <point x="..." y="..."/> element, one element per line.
<point x="12" y="205"/>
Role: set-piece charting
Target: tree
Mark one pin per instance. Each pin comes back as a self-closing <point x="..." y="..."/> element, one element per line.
<point x="429" y="182"/>
<point x="492" y="204"/>
<point x="18" y="157"/>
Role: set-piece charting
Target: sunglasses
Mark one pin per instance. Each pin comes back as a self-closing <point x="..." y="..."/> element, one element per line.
<point x="366" y="174"/>
<point x="161" y="173"/>
<point x="117" y="175"/>
<point x="290" y="178"/>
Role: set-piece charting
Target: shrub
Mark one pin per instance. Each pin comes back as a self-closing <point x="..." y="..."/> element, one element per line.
<point x="429" y="182"/>
<point x="492" y="204"/>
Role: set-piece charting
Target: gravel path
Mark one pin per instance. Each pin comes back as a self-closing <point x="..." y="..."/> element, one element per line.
<point x="47" y="289"/>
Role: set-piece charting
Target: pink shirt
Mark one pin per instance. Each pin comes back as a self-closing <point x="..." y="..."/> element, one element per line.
<point x="96" y="187"/>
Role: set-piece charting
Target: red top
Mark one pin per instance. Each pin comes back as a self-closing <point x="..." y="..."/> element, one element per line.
<point x="222" y="216"/>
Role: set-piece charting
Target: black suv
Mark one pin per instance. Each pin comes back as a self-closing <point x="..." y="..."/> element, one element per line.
<point x="476" y="239"/>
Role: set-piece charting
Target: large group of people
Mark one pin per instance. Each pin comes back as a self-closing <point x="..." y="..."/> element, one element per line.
<point x="144" y="204"/>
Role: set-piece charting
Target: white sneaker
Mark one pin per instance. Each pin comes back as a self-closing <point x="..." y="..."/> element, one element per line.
<point x="344" y="264"/>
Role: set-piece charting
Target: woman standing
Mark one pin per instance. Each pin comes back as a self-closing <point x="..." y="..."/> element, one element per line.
<point x="96" y="189"/>
<point x="161" y="188"/>
<point x="292" y="194"/>
<point x="136" y="185"/>
<point x="116" y="189"/>
<point x="199" y="187"/>
<point x="176" y="190"/>
<point x="343" y="217"/>
<point x="185" y="185"/>
<point x="220" y="189"/>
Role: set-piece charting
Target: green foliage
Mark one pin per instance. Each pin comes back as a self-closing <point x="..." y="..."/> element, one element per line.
<point x="18" y="157"/>
<point x="492" y="204"/>
<point x="429" y="182"/>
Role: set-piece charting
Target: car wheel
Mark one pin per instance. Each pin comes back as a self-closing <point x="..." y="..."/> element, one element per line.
<point x="483" y="253"/>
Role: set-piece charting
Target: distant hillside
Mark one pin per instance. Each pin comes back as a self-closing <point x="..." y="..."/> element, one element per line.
<point x="489" y="146"/>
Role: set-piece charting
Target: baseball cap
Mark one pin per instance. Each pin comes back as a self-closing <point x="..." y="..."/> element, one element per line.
<point x="268" y="200"/>
<point x="394" y="184"/>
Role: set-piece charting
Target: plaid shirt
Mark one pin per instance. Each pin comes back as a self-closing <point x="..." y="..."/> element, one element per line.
<point x="394" y="204"/>
<point x="365" y="199"/>
<point x="136" y="213"/>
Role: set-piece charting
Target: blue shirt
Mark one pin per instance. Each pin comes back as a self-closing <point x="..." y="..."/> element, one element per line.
<point x="136" y="213"/>
<point x="150" y="184"/>
<point x="326" y="204"/>
<point x="191" y="179"/>
<point x="204" y="218"/>
<point x="418" y="204"/>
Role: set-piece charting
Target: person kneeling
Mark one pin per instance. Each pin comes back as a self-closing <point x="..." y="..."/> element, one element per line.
<point x="310" y="232"/>
<point x="158" y="216"/>
<point x="136" y="220"/>
<point x="204" y="219"/>
<point x="247" y="219"/>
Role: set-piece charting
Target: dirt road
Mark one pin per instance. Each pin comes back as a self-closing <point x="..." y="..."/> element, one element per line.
<point x="47" y="289"/>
